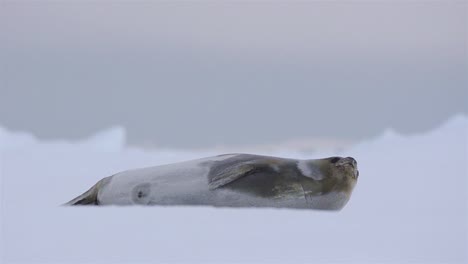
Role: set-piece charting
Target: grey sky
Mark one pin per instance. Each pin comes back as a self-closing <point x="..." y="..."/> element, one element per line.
<point x="199" y="74"/>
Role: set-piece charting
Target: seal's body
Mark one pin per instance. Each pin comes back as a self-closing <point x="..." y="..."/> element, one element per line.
<point x="232" y="180"/>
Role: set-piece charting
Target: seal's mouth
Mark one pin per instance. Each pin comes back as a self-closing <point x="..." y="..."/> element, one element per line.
<point x="356" y="173"/>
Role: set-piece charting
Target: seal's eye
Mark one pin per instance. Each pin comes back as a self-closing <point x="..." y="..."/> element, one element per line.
<point x="335" y="160"/>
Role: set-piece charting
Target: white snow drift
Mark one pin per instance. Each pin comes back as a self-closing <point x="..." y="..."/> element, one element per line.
<point x="410" y="205"/>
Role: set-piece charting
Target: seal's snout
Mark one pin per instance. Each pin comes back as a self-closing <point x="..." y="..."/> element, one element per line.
<point x="352" y="161"/>
<point x="344" y="161"/>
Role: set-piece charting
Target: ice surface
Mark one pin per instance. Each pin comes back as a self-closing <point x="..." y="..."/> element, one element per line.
<point x="410" y="205"/>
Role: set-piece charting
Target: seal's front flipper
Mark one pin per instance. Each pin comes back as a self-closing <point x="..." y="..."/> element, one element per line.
<point x="230" y="174"/>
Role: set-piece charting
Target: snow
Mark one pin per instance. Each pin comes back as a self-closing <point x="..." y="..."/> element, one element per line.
<point x="410" y="205"/>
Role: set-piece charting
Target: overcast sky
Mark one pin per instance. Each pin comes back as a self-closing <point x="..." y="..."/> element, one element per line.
<point x="200" y="74"/>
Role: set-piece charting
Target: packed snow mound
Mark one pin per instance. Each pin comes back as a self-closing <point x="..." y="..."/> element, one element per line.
<point x="11" y="140"/>
<point x="111" y="139"/>
<point x="410" y="205"/>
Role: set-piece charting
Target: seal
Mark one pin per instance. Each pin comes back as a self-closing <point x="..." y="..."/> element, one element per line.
<point x="232" y="180"/>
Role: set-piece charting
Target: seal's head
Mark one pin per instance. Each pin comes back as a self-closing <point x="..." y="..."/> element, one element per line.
<point x="333" y="168"/>
<point x="342" y="177"/>
<point x="343" y="173"/>
<point x="344" y="167"/>
<point x="329" y="182"/>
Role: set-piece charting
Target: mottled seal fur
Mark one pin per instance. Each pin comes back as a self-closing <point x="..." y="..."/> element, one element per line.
<point x="232" y="180"/>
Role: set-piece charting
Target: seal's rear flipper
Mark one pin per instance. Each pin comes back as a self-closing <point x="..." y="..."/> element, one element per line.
<point x="90" y="197"/>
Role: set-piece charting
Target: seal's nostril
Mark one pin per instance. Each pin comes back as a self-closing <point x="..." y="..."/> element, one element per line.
<point x="353" y="161"/>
